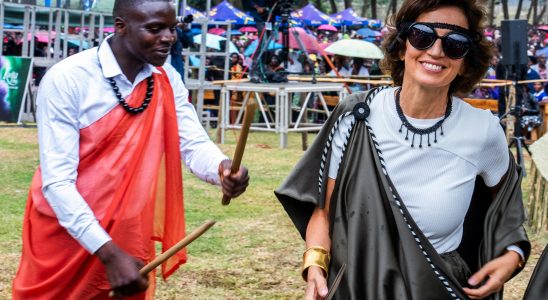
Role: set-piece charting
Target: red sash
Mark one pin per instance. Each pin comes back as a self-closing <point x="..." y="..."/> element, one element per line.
<point x="130" y="175"/>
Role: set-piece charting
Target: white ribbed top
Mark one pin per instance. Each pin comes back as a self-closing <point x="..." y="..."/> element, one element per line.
<point x="435" y="183"/>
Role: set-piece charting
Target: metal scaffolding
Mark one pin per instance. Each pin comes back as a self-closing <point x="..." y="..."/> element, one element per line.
<point x="55" y="21"/>
<point x="199" y="85"/>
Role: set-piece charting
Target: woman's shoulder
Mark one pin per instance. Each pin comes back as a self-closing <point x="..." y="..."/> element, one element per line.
<point x="475" y="122"/>
<point x="474" y="114"/>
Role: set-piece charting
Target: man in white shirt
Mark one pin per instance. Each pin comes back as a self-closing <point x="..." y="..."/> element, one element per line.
<point x="340" y="63"/>
<point x="293" y="63"/>
<point x="110" y="182"/>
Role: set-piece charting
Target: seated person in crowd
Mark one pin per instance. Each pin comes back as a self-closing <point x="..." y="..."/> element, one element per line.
<point x="539" y="92"/>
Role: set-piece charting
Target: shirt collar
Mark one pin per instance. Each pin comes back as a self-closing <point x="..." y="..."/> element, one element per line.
<point x="110" y="66"/>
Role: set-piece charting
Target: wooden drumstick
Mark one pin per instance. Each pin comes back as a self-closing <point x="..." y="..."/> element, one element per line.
<point x="158" y="260"/>
<point x="240" y="147"/>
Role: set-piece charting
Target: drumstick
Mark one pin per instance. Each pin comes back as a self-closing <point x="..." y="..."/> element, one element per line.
<point x="240" y="147"/>
<point x="158" y="260"/>
<point x="336" y="283"/>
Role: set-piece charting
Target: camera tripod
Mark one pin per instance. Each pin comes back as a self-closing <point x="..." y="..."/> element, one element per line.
<point x="517" y="140"/>
<point x="282" y="11"/>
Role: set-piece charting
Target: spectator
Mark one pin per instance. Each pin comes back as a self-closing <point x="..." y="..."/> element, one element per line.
<point x="340" y="63"/>
<point x="540" y="67"/>
<point x="293" y="63"/>
<point x="183" y="41"/>
<point x="539" y="92"/>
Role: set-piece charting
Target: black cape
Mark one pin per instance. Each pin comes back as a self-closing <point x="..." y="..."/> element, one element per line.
<point x="538" y="285"/>
<point x="387" y="256"/>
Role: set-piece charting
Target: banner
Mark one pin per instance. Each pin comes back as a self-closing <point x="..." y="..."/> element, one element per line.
<point x="15" y="74"/>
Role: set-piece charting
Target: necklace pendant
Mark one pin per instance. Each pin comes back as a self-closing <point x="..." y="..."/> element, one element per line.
<point x="421" y="131"/>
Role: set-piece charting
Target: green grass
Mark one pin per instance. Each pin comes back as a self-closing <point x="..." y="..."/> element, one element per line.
<point x="253" y="252"/>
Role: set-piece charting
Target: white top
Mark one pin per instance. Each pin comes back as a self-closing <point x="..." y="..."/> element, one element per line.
<point x="435" y="183"/>
<point x="295" y="67"/>
<point x="362" y="73"/>
<point x="73" y="95"/>
<point x="344" y="72"/>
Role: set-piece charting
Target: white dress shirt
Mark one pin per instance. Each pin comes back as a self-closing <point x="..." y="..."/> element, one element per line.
<point x="73" y="95"/>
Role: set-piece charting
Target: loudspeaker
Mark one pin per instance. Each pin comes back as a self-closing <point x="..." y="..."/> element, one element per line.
<point x="514" y="42"/>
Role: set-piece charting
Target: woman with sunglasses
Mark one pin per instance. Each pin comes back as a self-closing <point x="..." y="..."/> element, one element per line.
<point x="417" y="196"/>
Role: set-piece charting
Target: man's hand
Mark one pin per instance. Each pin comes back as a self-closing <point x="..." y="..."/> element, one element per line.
<point x="122" y="270"/>
<point x="497" y="272"/>
<point x="233" y="185"/>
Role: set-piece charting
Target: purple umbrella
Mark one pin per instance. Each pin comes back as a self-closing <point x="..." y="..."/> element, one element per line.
<point x="226" y="12"/>
<point x="311" y="16"/>
<point x="349" y="17"/>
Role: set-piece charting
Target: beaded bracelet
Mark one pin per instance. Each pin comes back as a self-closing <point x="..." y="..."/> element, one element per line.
<point x="315" y="256"/>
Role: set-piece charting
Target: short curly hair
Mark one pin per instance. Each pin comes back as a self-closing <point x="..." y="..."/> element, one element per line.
<point x="476" y="62"/>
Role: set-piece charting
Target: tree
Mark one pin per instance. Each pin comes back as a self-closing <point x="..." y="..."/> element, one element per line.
<point x="333" y="6"/>
<point x="347" y="4"/>
<point x="237" y="3"/>
<point x="518" y="10"/>
<point x="319" y="5"/>
<point x="538" y="18"/>
<point x="491" y="12"/>
<point x="505" y="9"/>
<point x="391" y="9"/>
<point x="373" y="9"/>
<point x="365" y="6"/>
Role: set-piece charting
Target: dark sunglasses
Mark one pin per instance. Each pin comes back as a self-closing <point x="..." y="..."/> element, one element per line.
<point x="455" y="44"/>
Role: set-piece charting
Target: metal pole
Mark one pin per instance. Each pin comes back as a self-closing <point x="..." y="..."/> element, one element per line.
<point x="201" y="72"/>
<point x="57" y="43"/>
<point x="33" y="29"/>
<point x="227" y="51"/>
<point x="65" y="31"/>
<point x="26" y="24"/>
<point x="545" y="12"/>
<point x="50" y="29"/>
<point x="91" y="34"/>
<point x="101" y="28"/>
<point x="81" y="33"/>
<point x="2" y="6"/>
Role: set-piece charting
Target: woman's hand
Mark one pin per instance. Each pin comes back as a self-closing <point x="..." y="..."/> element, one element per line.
<point x="497" y="272"/>
<point x="316" y="285"/>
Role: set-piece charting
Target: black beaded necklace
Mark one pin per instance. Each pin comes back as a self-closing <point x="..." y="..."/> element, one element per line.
<point x="122" y="101"/>
<point x="421" y="131"/>
<point x="125" y="105"/>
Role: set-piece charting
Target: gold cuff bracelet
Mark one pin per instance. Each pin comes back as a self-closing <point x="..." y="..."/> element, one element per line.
<point x="315" y="256"/>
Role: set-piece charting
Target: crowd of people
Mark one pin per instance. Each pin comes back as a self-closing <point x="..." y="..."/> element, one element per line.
<point x="325" y="64"/>
<point x="298" y="62"/>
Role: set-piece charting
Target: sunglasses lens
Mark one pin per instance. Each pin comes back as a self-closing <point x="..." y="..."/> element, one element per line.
<point x="456" y="45"/>
<point x="421" y="36"/>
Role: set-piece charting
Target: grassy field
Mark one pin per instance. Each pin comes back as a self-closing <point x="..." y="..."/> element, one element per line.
<point x="253" y="252"/>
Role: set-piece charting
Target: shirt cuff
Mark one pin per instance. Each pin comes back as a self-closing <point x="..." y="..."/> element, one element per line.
<point x="517" y="250"/>
<point x="94" y="237"/>
<point x="213" y="177"/>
